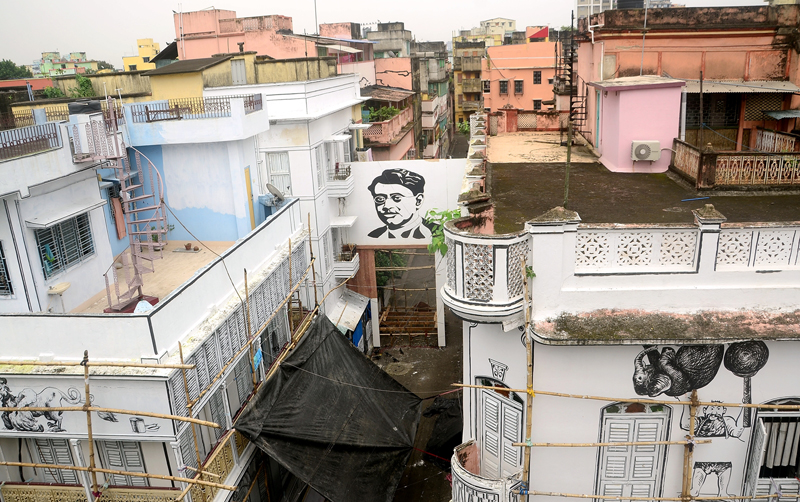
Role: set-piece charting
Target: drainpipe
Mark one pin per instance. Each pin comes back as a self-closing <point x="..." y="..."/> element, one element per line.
<point x="682" y="125"/>
<point x="592" y="31"/>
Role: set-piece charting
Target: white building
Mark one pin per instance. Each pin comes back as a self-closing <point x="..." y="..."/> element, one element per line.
<point x="622" y="313"/>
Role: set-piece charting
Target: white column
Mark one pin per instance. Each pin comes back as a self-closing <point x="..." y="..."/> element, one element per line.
<point x="228" y="417"/>
<point x="440" y="265"/>
<point x="83" y="475"/>
<point x="176" y="450"/>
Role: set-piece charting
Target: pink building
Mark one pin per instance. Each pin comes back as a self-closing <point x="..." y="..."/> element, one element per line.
<point x="201" y="34"/>
<point x="517" y="76"/>
<point x="638" y="118"/>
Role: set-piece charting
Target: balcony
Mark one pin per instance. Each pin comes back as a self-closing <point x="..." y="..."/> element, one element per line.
<point x="225" y="464"/>
<point x="778" y="165"/>
<point x="472" y="85"/>
<point x="470" y="486"/>
<point x="29" y="492"/>
<point x="346" y="263"/>
<point x="29" y="140"/>
<point x="484" y="273"/>
<point x="471" y="106"/>
<point x="472" y="63"/>
<point x="340" y="182"/>
<point x="385" y="132"/>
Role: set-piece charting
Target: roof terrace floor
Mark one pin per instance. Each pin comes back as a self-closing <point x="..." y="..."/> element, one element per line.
<point x="176" y="267"/>
<point x="523" y="189"/>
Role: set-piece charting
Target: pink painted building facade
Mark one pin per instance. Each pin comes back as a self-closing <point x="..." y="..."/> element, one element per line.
<point x="201" y="34"/>
<point x="517" y="76"/>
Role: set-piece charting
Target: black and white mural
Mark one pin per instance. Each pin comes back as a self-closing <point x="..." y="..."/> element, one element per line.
<point x="398" y="195"/>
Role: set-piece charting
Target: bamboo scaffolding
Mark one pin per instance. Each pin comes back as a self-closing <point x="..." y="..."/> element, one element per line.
<point x="627" y="443"/>
<point x="96" y="364"/>
<point x="197" y="421"/>
<point x="86" y="404"/>
<point x="640" y="401"/>
<point x="203" y="472"/>
<point x="250" y="332"/>
<point x="194" y="433"/>
<point x="529" y="401"/>
<point x="311" y="257"/>
<point x="120" y="473"/>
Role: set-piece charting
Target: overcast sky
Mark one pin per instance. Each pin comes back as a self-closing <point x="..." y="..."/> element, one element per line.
<point x="107" y="30"/>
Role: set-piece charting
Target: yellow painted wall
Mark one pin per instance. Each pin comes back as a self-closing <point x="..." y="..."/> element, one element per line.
<point x="146" y="49"/>
<point x="358" y="134"/>
<point x="138" y="61"/>
<point x="177" y="85"/>
<point x="294" y="70"/>
<point x="127" y="83"/>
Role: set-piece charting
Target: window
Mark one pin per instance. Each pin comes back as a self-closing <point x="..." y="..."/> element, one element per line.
<point x="56" y="451"/>
<point x="278" y="171"/>
<point x="146" y="60"/>
<point x="460" y="77"/>
<point x="537" y="77"/>
<point x="504" y="87"/>
<point x="773" y="458"/>
<point x="518" y="87"/>
<point x="537" y="104"/>
<point x="65" y="244"/>
<point x="487" y="86"/>
<point x="132" y="67"/>
<point x="441" y="63"/>
<point x="5" y="280"/>
<point x="550" y="81"/>
<point x="124" y="456"/>
<point x="320" y="167"/>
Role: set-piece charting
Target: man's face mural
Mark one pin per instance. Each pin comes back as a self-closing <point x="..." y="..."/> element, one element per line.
<point x="395" y="204"/>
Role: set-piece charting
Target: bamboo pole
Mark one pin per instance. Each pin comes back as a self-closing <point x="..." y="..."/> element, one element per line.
<point x="204" y="472"/>
<point x="641" y="401"/>
<point x="526" y="463"/>
<point x="189" y="409"/>
<point x="628" y="443"/>
<point x="250" y="332"/>
<point x="87" y="403"/>
<point x="291" y="317"/>
<point x="95" y="364"/>
<point x="690" y="446"/>
<point x="113" y="410"/>
<point x="261" y="328"/>
<point x="311" y="257"/>
<point x="120" y="473"/>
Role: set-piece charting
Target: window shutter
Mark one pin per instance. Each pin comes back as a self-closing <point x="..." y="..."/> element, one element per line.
<point x="178" y="393"/>
<point x="225" y="346"/>
<point x="5" y="280"/>
<point x="212" y="361"/>
<point x="244" y="380"/>
<point x="490" y="457"/>
<point x="758" y="446"/>
<point x="56" y="451"/>
<point x="186" y="442"/>
<point x="512" y="432"/>
<point x="218" y="412"/>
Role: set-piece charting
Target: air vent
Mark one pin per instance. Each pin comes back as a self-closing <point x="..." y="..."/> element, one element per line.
<point x="646" y="150"/>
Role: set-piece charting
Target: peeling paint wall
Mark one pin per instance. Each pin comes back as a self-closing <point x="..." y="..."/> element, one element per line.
<point x="269" y="72"/>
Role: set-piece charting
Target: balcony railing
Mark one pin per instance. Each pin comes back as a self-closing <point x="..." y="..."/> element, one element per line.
<point x="192" y="108"/>
<point x="29" y="140"/>
<point x="14" y="119"/>
<point x="471" y="105"/>
<point x="346" y="263"/>
<point x="28" y="492"/>
<point x="339" y="172"/>
<point x="386" y="131"/>
<point x="472" y="63"/>
<point x="340" y="182"/>
<point x="768" y="140"/>
<point x="472" y="85"/>
<point x="470" y="486"/>
<point x="220" y="464"/>
<point x="711" y="169"/>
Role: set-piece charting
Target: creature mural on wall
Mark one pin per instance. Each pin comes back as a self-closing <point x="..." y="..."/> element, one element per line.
<point x="713" y="422"/>
<point x="49" y="397"/>
<point x="744" y="359"/>
<point x="701" y="471"/>
<point x="398" y="195"/>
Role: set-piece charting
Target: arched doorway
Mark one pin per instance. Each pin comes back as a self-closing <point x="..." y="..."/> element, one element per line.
<point x="632" y="471"/>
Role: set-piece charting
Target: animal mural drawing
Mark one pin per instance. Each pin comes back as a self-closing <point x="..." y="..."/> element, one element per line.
<point x="49" y="397"/>
<point x="691" y="367"/>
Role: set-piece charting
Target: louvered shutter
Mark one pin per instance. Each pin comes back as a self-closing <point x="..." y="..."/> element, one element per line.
<point x="186" y="442"/>
<point x="225" y="346"/>
<point x="218" y="412"/>
<point x="56" y="451"/>
<point x="244" y="380"/>
<point x="490" y="433"/>
<point x="631" y="471"/>
<point x="124" y="456"/>
<point x="512" y="433"/>
<point x="191" y="376"/>
<point x="758" y="446"/>
<point x="178" y="392"/>
<point x="134" y="462"/>
<point x="212" y="360"/>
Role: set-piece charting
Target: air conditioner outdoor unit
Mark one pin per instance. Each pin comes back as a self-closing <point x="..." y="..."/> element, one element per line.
<point x="646" y="150"/>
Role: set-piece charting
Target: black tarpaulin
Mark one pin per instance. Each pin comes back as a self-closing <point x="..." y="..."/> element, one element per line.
<point x="334" y="419"/>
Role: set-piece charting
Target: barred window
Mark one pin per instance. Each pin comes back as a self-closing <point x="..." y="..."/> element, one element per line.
<point x="65" y="244"/>
<point x="487" y="86"/>
<point x="5" y="281"/>
<point x="518" y="87"/>
<point x="504" y="87"/>
<point x="537" y="104"/>
<point x="537" y="77"/>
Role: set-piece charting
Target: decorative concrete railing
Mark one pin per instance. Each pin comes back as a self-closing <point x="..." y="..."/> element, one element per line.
<point x="26" y="492"/>
<point x="768" y="140"/>
<point x="712" y="169"/>
<point x="600" y="249"/>
<point x="469" y="487"/>
<point x="485" y="273"/>
<point x="763" y="248"/>
<point x="386" y="131"/>
<point x="471" y="105"/>
<point x="29" y="140"/>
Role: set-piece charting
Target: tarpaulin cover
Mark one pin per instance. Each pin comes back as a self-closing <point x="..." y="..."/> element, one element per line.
<point x="334" y="419"/>
<point x="447" y="430"/>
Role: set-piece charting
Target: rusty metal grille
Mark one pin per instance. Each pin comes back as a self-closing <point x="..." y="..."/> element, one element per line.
<point x="57" y="113"/>
<point x="29" y="140"/>
<point x="756" y="104"/>
<point x="192" y="108"/>
<point x="12" y="120"/>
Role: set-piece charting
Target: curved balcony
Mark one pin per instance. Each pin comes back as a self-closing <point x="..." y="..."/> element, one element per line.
<point x="469" y="486"/>
<point x="484" y="272"/>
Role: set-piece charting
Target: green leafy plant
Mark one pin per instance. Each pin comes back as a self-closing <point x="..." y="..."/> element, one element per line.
<point x="386" y="259"/>
<point x="52" y="92"/>
<point x="529" y="273"/>
<point x="382" y="114"/>
<point x="436" y="220"/>
<point x="463" y="128"/>
<point x="83" y="89"/>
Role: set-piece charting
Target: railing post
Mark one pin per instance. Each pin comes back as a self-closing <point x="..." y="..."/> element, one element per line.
<point x="709" y="220"/>
<point x="176" y="450"/>
<point x="84" y="476"/>
<point x="707" y="170"/>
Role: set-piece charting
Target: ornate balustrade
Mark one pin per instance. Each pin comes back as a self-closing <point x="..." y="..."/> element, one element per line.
<point x="768" y="140"/>
<point x="386" y="131"/>
<point x="220" y="463"/>
<point x="484" y="273"/>
<point x="469" y="487"/>
<point x="757" y="248"/>
<point x="25" y="492"/>
<point x="686" y="159"/>
<point x="600" y="249"/>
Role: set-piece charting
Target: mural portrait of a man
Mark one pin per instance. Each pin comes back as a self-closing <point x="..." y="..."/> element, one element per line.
<point x="398" y="195"/>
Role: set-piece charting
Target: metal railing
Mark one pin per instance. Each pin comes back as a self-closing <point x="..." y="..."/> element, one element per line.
<point x="29" y="140"/>
<point x="347" y="254"/>
<point x="339" y="172"/>
<point x="29" y="492"/>
<point x="768" y="140"/>
<point x="55" y="113"/>
<point x="192" y="108"/>
<point x="14" y="119"/>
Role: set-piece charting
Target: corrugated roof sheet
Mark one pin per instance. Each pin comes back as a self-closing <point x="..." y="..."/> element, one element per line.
<point x="383" y="93"/>
<point x="783" y="114"/>
<point x="639" y="81"/>
<point x="740" y="86"/>
<point x="187" y="66"/>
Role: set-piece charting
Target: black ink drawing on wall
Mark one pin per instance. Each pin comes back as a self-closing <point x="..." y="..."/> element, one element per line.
<point x="701" y="472"/>
<point x="744" y="359"/>
<point x="675" y="373"/>
<point x="398" y="195"/>
<point x="714" y="422"/>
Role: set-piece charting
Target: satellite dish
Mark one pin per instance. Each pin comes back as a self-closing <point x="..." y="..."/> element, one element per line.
<point x="274" y="191"/>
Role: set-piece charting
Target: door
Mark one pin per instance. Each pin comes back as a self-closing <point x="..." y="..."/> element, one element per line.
<point x="500" y="425"/>
<point x="238" y="72"/>
<point x="632" y="471"/>
<point x="124" y="456"/>
<point x="56" y="451"/>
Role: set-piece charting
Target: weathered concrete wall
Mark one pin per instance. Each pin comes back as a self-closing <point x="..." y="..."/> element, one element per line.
<point x="218" y="75"/>
<point x="341" y="30"/>
<point x="128" y="82"/>
<point x="394" y="72"/>
<point x="519" y="62"/>
<point x="177" y="85"/>
<point x="293" y="70"/>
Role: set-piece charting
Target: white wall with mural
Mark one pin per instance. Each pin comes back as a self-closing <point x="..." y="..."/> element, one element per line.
<point x="148" y="395"/>
<point x="391" y="199"/>
<point x="751" y="452"/>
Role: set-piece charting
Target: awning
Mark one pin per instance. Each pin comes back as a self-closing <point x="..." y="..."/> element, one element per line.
<point x="340" y="137"/>
<point x="343" y="48"/>
<point x="783" y="114"/>
<point x="343" y="221"/>
<point x="349" y="310"/>
<point x="45" y="216"/>
<point x="749" y="87"/>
